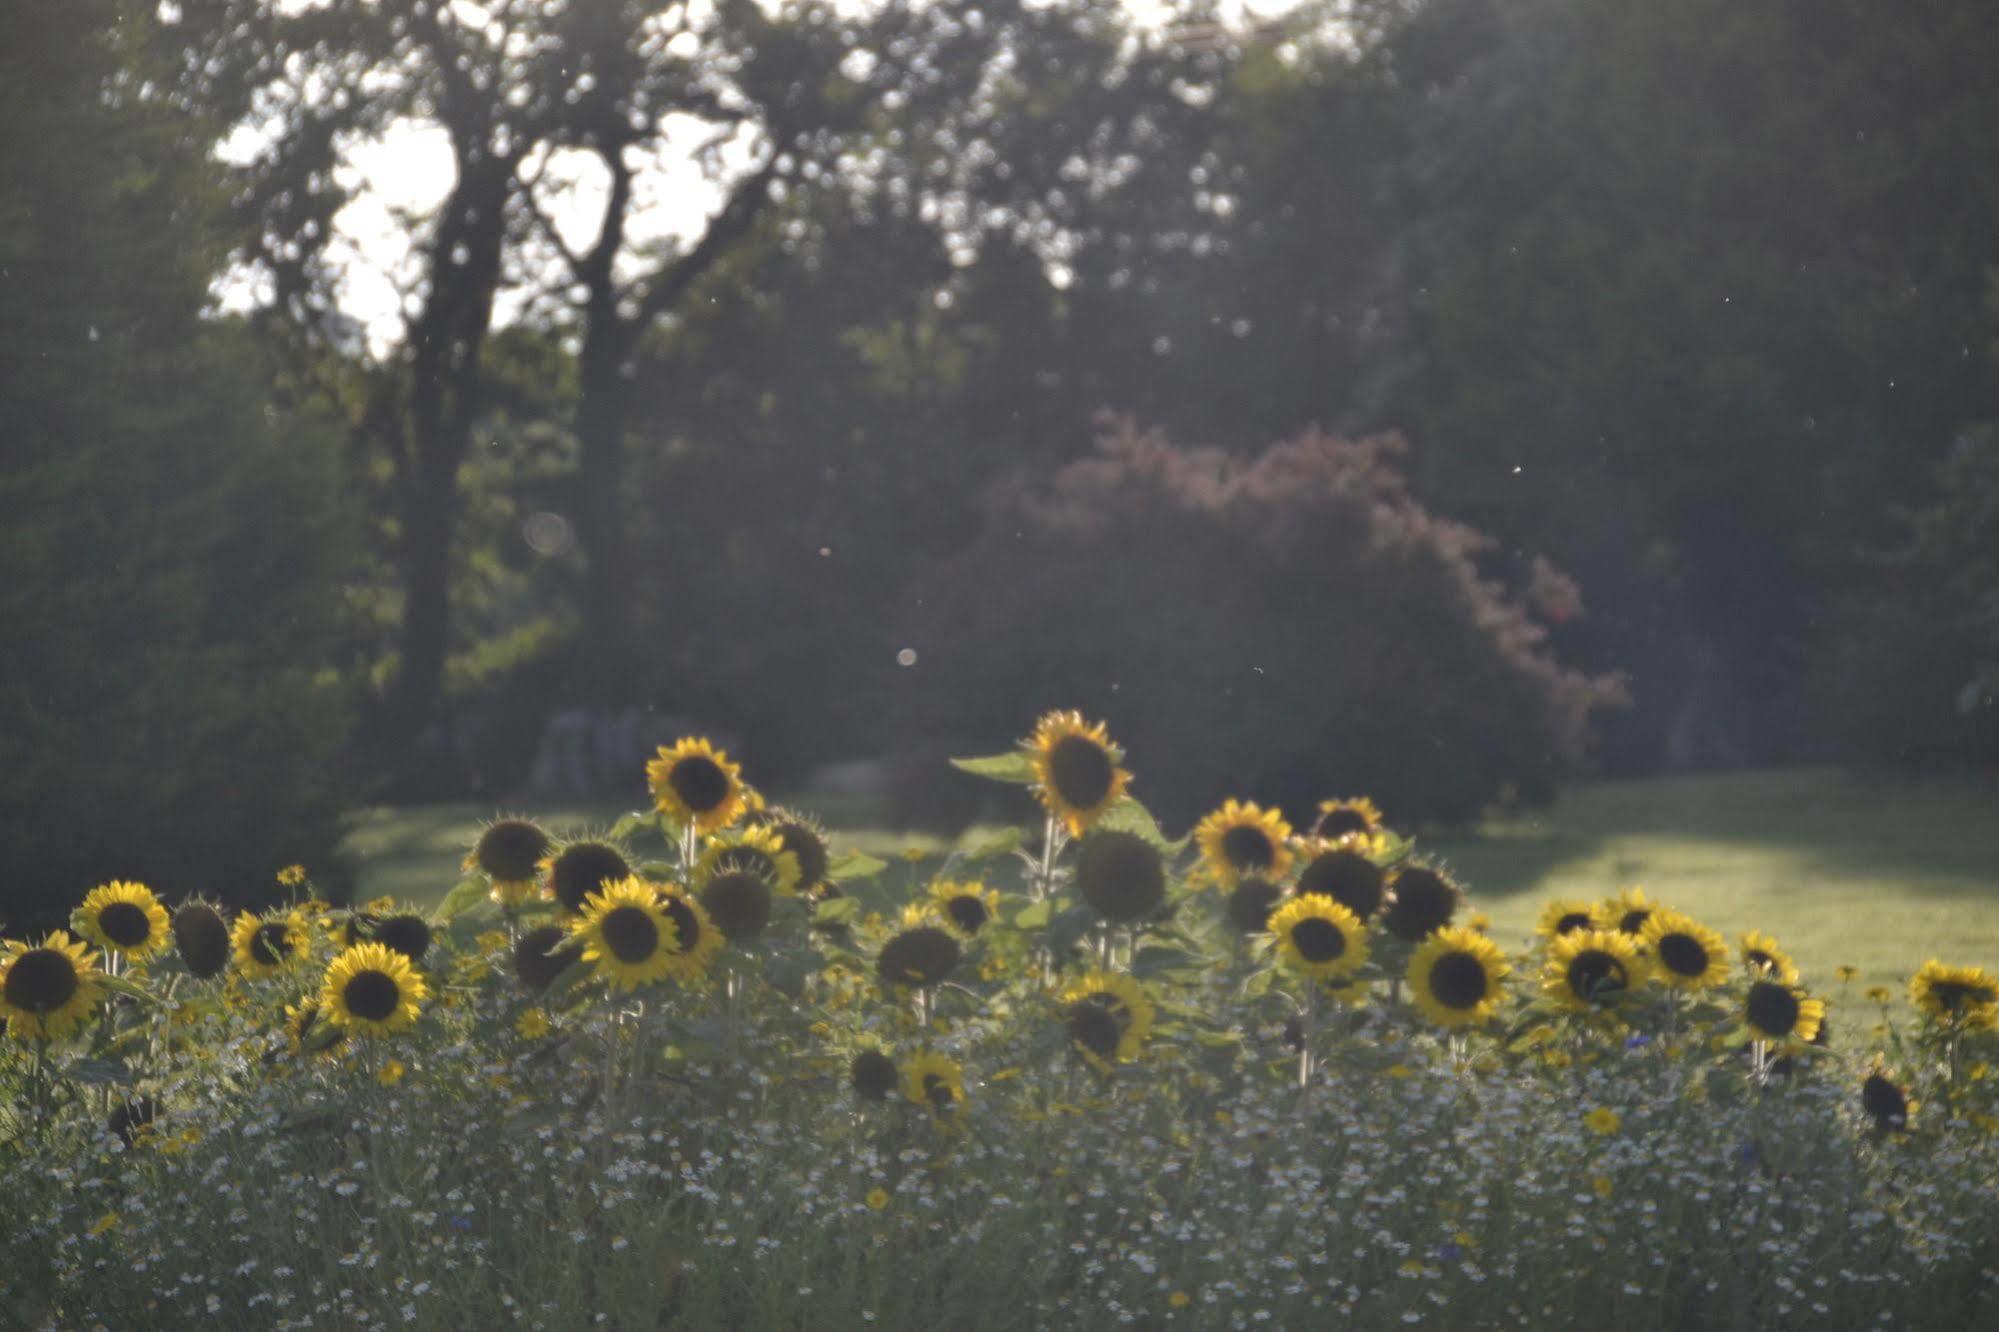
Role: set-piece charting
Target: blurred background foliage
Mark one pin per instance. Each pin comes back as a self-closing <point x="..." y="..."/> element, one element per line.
<point x="1690" y="300"/>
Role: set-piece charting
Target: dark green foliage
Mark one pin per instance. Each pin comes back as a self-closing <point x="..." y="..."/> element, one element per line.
<point x="1281" y="628"/>
<point x="168" y="546"/>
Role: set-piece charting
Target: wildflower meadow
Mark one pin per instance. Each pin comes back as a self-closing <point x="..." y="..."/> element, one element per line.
<point x="1082" y="1075"/>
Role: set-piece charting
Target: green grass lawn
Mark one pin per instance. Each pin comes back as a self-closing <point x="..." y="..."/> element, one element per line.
<point x="1845" y="869"/>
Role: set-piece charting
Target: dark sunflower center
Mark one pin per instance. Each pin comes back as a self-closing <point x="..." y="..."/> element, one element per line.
<point x="1094" y="1025"/>
<point x="1633" y="922"/>
<point x="1349" y="878"/>
<point x="1954" y="995"/>
<point x="272" y="943"/>
<point x="937" y="1091"/>
<point x="1246" y="847"/>
<point x="372" y="996"/>
<point x="1120" y="875"/>
<point x="873" y="1075"/>
<point x="1341" y="822"/>
<point x="511" y="849"/>
<point x="1884" y="1101"/>
<point x="1080" y="771"/>
<point x="584" y="869"/>
<point x="738" y="902"/>
<point x="700" y="783"/>
<point x="1773" y="1009"/>
<point x="1457" y="980"/>
<point x="1594" y="973"/>
<point x="1318" y="940"/>
<point x="1759" y="960"/>
<point x="809" y="849"/>
<point x="408" y="935"/>
<point x="41" y="980"/>
<point x="968" y="913"/>
<point x="203" y="939"/>
<point x="1424" y="901"/>
<point x="1250" y="904"/>
<point x="686" y="925"/>
<point x="125" y="924"/>
<point x="533" y="962"/>
<point x="1682" y="954"/>
<point x="630" y="933"/>
<point x="1574" y="920"/>
<point x="922" y="956"/>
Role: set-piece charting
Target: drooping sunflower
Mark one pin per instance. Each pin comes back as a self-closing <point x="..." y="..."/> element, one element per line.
<point x="583" y="868"/>
<point x="918" y="957"/>
<point x="626" y="935"/>
<point x="1455" y="977"/>
<point x="407" y="932"/>
<point x="1351" y="816"/>
<point x="874" y="1075"/>
<point x="1318" y="938"/>
<point x="758" y="850"/>
<point x="934" y="1080"/>
<point x="965" y="907"/>
<point x="1765" y="960"/>
<point x="694" y="782"/>
<point x="1244" y="838"/>
<point x="1629" y="910"/>
<point x="1957" y="996"/>
<point x="1421" y="900"/>
<point x="536" y="960"/>
<point x="694" y="930"/>
<point x="372" y="990"/>
<point x="123" y="918"/>
<point x="1776" y="1011"/>
<point x="1689" y="954"/>
<point x="509" y="852"/>
<point x="1250" y="903"/>
<point x="267" y="944"/>
<point x="1589" y="969"/>
<point x="1108" y="1016"/>
<point x="1076" y="772"/>
<point x="1566" y="917"/>
<point x="201" y="937"/>
<point x="47" y="989"/>
<point x="1338" y="871"/>
<point x="1120" y="875"/>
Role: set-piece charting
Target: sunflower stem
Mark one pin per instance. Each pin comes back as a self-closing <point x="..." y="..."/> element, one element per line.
<point x="1307" y="1028"/>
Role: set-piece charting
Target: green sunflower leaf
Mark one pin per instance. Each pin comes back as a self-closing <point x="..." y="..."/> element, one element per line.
<point x="1033" y="916"/>
<point x="1128" y="815"/>
<point x="1008" y="840"/>
<point x="1153" y="961"/>
<point x="836" y="911"/>
<point x="468" y="893"/>
<point x="99" y="1072"/>
<point x="1016" y="768"/>
<point x="129" y="988"/>
<point x="1068" y="928"/>
<point x="637" y="821"/>
<point x="850" y="865"/>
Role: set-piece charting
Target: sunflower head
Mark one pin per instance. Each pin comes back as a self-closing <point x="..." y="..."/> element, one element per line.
<point x="1250" y="903"/>
<point x="1567" y="917"/>
<point x="1455" y="978"/>
<point x="1242" y="838"/>
<point x="130" y="1120"/>
<point x="755" y="849"/>
<point x="1629" y="910"/>
<point x="1108" y="1017"/>
<point x="1318" y="938"/>
<point x="372" y="990"/>
<point x="935" y="1081"/>
<point x="1120" y="875"/>
<point x="49" y="988"/>
<point x="1885" y="1102"/>
<point x="510" y="851"/>
<point x="806" y="841"/>
<point x="695" y="932"/>
<point x="1338" y="871"/>
<point x="267" y="944"/>
<point x="874" y="1075"/>
<point x="694" y="783"/>
<point x="1587" y="970"/>
<point x="1076" y="772"/>
<point x="1775" y="1011"/>
<point x="536" y="960"/>
<point x="123" y="918"/>
<point x="201" y="937"/>
<point x="1955" y="996"/>
<point x="738" y="901"/>
<point x="1352" y="816"/>
<point x="1688" y="954"/>
<point x="1421" y="900"/>
<point x="964" y="907"/>
<point x="307" y="1030"/>
<point x="917" y="957"/>
<point x="583" y="868"/>
<point x="626" y="935"/>
<point x="1763" y="959"/>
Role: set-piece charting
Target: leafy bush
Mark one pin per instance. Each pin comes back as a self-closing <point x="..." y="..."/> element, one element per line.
<point x="1290" y="626"/>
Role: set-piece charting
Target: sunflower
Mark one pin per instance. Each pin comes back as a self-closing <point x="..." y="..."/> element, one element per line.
<point x="372" y="990"/>
<point x="47" y="989"/>
<point x="694" y="930"/>
<point x="303" y="1024"/>
<point x="1344" y="874"/>
<point x="1108" y="1016"/>
<point x="1689" y="954"/>
<point x="536" y="960"/>
<point x="1421" y="900"/>
<point x="509" y="852"/>
<point x="406" y="932"/>
<point x="1566" y="917"/>
<point x="1250" y="903"/>
<point x="1354" y="816"/>
<point x="1765" y="960"/>
<point x="759" y="850"/>
<point x="934" y="1080"/>
<point x="265" y="945"/>
<point x="132" y="1121"/>
<point x="1776" y="1011"/>
<point x="1955" y="995"/>
<point x="738" y="901"/>
<point x="806" y="841"/>
<point x="1120" y="875"/>
<point x="1587" y="969"/>
<point x="964" y="907"/>
<point x="583" y="868"/>
<point x="1076" y="772"/>
<point x="874" y="1075"/>
<point x="1455" y="977"/>
<point x="694" y="782"/>
<point x="123" y="918"/>
<point x="1240" y="839"/>
<point x="1318" y="938"/>
<point x="201" y="937"/>
<point x="626" y="934"/>
<point x="1885" y="1102"/>
<point x="919" y="957"/>
<point x="1629" y="910"/>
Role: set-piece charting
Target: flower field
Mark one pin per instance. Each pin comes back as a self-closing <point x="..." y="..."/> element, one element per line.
<point x="1082" y="1075"/>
